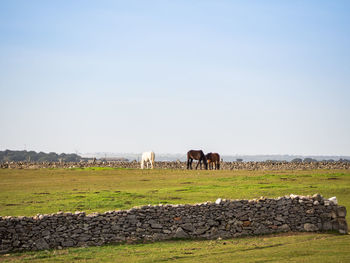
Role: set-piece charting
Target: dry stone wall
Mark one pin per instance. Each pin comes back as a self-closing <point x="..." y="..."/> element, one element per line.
<point x="222" y="219"/>
<point x="268" y="165"/>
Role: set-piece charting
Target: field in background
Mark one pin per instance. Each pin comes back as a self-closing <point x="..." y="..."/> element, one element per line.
<point x="28" y="192"/>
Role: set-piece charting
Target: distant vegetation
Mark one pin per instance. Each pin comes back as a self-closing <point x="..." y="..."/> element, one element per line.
<point x="31" y="156"/>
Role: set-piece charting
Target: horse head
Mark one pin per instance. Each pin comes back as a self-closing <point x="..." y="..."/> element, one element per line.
<point x="205" y="161"/>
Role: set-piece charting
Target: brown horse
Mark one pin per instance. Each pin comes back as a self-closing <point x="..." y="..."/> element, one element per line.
<point x="213" y="158"/>
<point x="196" y="155"/>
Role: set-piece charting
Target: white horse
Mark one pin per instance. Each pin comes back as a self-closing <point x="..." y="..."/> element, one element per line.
<point x="147" y="157"/>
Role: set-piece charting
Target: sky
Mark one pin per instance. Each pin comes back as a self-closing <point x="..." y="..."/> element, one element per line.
<point x="234" y="77"/>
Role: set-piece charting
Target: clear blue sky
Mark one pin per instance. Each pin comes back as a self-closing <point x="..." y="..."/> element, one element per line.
<point x="235" y="77"/>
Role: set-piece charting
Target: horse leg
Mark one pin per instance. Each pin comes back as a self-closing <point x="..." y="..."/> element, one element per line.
<point x="199" y="161"/>
<point x="142" y="164"/>
<point x="190" y="163"/>
<point x="152" y="160"/>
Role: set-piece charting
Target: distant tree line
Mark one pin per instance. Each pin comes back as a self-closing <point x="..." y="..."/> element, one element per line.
<point x="32" y="156"/>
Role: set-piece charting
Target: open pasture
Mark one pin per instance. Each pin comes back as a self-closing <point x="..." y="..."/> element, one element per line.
<point x="28" y="192"/>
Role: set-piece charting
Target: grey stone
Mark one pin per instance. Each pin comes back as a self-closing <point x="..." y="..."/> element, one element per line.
<point x="68" y="243"/>
<point x="342" y="231"/>
<point x="156" y="225"/>
<point x="333" y="200"/>
<point x="218" y="201"/>
<point x="279" y="218"/>
<point x="45" y="233"/>
<point x="310" y="227"/>
<point x="342" y="226"/>
<point x="84" y="237"/>
<point x="188" y="227"/>
<point x="212" y="222"/>
<point x="41" y="244"/>
<point x="200" y="231"/>
<point x="284" y="228"/>
<point x="61" y="228"/>
<point x="317" y="197"/>
<point x="341" y="211"/>
<point x="16" y="243"/>
<point x="180" y="233"/>
<point x="327" y="226"/>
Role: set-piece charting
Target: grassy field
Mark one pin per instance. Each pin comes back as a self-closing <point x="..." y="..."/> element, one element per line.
<point x="28" y="192"/>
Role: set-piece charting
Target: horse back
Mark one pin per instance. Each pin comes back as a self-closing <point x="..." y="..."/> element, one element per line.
<point x="195" y="154"/>
<point x="213" y="157"/>
<point x="148" y="156"/>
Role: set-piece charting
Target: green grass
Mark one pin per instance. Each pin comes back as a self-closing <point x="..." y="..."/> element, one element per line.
<point x="28" y="192"/>
<point x="300" y="247"/>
